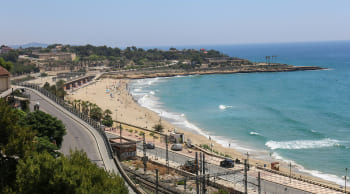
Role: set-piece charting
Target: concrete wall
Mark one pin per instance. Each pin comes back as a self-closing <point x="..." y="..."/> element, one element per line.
<point x="4" y="83"/>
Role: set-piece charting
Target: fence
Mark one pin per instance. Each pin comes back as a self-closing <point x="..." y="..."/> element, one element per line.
<point x="94" y="124"/>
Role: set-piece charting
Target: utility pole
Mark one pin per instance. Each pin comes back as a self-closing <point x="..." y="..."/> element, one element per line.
<point x="290" y="172"/>
<point x="203" y="168"/>
<point x="346" y="173"/>
<point x="245" y="177"/>
<point x="156" y="181"/>
<point x="200" y="164"/>
<point x="144" y="155"/>
<point x="166" y="154"/>
<point x="259" y="183"/>
<point x="248" y="160"/>
<point x="196" y="163"/>
<point x="120" y="133"/>
<point x="200" y="169"/>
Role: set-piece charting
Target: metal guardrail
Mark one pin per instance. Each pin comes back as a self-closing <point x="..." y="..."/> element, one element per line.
<point x="94" y="124"/>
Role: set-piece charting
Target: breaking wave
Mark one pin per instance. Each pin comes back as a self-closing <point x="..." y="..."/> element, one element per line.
<point x="302" y="144"/>
<point x="254" y="133"/>
<point x="223" y="107"/>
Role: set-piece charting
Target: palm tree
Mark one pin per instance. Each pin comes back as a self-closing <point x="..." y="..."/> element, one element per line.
<point x="158" y="127"/>
<point x="79" y="102"/>
<point x="84" y="107"/>
<point x="89" y="104"/>
<point x="107" y="112"/>
<point x="75" y="101"/>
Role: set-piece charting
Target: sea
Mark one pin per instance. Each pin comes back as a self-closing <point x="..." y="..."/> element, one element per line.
<point x="300" y="117"/>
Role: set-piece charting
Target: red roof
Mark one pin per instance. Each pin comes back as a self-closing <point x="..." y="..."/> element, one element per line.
<point x="3" y="71"/>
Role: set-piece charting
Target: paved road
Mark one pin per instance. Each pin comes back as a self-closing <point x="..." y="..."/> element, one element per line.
<point x="77" y="136"/>
<point x="80" y="135"/>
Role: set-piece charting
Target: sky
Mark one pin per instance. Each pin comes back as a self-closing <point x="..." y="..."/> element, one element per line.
<point x="144" y="23"/>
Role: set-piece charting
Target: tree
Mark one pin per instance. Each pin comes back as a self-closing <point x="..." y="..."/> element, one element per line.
<point x="96" y="113"/>
<point x="6" y="64"/>
<point x="107" y="119"/>
<point x="41" y="173"/>
<point x="43" y="144"/>
<point x="60" y="89"/>
<point x="45" y="125"/>
<point x="15" y="142"/>
<point x="107" y="112"/>
<point x="46" y="86"/>
<point x="84" y="107"/>
<point x="158" y="127"/>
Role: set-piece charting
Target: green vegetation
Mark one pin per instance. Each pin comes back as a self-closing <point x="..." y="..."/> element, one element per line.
<point x="134" y="58"/>
<point x="94" y="111"/>
<point x="221" y="191"/>
<point x="141" y="133"/>
<point x="180" y="183"/>
<point x="6" y="64"/>
<point x="129" y="58"/>
<point x="107" y="119"/>
<point x="57" y="89"/>
<point x="75" y="173"/>
<point x="30" y="163"/>
<point x="21" y="68"/>
<point x="45" y="125"/>
<point x="158" y="128"/>
<point x="10" y="62"/>
<point x="43" y="75"/>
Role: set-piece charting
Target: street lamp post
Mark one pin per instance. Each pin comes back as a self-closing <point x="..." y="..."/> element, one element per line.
<point x="346" y="173"/>
<point x="290" y="172"/>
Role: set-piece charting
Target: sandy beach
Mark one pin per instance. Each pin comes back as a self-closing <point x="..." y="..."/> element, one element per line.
<point x="113" y="94"/>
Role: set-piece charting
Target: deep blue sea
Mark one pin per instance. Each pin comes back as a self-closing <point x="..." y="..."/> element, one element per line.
<point x="300" y="117"/>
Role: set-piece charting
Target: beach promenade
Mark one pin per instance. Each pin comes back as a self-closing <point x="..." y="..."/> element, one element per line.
<point x="125" y="109"/>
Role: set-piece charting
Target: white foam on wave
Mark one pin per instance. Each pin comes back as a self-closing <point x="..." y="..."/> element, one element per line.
<point x="147" y="98"/>
<point x="302" y="144"/>
<point x="254" y="133"/>
<point x="225" y="142"/>
<point x="223" y="107"/>
<point x="329" y="177"/>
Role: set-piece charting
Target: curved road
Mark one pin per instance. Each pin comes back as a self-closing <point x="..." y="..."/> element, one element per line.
<point x="79" y="135"/>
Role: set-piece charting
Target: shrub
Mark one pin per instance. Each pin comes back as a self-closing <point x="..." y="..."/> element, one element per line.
<point x="181" y="183"/>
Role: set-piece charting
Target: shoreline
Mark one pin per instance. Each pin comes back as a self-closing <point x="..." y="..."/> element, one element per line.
<point x="171" y="73"/>
<point x="132" y="112"/>
<point x="257" y="156"/>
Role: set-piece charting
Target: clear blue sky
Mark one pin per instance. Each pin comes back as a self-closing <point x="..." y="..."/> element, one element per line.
<point x="172" y="23"/>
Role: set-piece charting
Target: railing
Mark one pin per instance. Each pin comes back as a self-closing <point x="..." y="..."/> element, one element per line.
<point x="94" y="124"/>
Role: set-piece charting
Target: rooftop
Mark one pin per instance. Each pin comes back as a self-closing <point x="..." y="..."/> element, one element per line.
<point x="3" y="71"/>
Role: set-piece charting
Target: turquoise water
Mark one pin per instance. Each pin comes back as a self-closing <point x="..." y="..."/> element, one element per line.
<point x="302" y="117"/>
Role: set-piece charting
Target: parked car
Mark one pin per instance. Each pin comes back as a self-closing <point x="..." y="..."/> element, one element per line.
<point x="176" y="147"/>
<point x="227" y="163"/>
<point x="150" y="145"/>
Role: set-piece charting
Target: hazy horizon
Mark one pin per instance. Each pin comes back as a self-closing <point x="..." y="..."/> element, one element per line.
<point x="178" y="46"/>
<point x="173" y="23"/>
